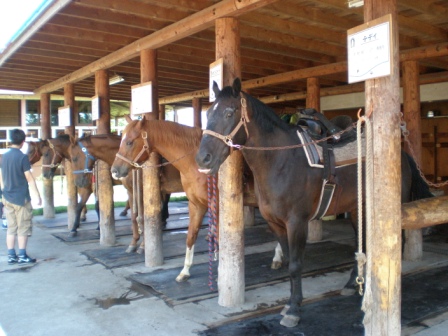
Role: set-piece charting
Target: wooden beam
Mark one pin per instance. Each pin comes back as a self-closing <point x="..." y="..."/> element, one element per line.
<point x="178" y="30"/>
<point x="425" y="212"/>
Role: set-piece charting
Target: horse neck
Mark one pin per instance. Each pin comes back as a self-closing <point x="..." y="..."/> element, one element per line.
<point x="103" y="149"/>
<point x="172" y="151"/>
<point x="62" y="149"/>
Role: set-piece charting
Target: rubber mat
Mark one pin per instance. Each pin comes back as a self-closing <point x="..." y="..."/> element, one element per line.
<point x="423" y="294"/>
<point x="318" y="257"/>
<point x="174" y="245"/>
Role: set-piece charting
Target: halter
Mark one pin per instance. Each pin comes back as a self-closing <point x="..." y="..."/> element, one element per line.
<point x="228" y="139"/>
<point x="86" y="162"/>
<point x="52" y="164"/>
<point x="145" y="148"/>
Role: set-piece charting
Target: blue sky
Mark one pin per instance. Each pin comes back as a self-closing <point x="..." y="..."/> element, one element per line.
<point x="14" y="14"/>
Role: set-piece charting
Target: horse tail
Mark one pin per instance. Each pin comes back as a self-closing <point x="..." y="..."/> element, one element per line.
<point x="419" y="187"/>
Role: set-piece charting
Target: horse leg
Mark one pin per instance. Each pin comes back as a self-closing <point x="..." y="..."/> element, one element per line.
<point x="73" y="232"/>
<point x="97" y="210"/>
<point x="83" y="214"/>
<point x="297" y="234"/>
<point x="165" y="213"/>
<point x="351" y="285"/>
<point x="197" y="212"/>
<point x="278" y="257"/>
<point x="124" y="213"/>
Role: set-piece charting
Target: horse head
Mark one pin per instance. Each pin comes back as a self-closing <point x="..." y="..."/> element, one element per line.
<point x="134" y="148"/>
<point x="82" y="161"/>
<point x="51" y="159"/>
<point x="224" y="121"/>
<point x="33" y="151"/>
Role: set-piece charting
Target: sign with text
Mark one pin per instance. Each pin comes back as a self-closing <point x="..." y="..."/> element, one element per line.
<point x="369" y="50"/>
<point x="95" y="108"/>
<point x="64" y="116"/>
<point x="141" y="98"/>
<point x="216" y="70"/>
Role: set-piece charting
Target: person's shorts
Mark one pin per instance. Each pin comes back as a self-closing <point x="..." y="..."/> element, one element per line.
<point x="19" y="218"/>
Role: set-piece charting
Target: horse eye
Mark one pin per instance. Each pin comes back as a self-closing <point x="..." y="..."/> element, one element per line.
<point x="129" y="143"/>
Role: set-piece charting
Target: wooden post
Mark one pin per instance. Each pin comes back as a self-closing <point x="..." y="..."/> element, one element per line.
<point x="231" y="282"/>
<point x="162" y="114"/>
<point x="315" y="231"/>
<point x="197" y="109"/>
<point x="413" y="245"/>
<point x="425" y="212"/>
<point x="45" y="124"/>
<point x="72" y="194"/>
<point x="151" y="182"/>
<point x="383" y="99"/>
<point x="105" y="192"/>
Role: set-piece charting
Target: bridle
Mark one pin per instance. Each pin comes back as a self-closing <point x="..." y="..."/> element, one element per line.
<point x="52" y="164"/>
<point x="144" y="149"/>
<point x="88" y="156"/>
<point x="228" y="139"/>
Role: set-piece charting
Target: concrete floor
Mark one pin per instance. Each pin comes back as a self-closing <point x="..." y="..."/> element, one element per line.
<point x="67" y="294"/>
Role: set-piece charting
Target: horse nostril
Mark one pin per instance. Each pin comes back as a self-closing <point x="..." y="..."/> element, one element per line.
<point x="207" y="158"/>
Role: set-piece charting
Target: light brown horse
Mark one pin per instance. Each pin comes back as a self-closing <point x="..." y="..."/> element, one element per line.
<point x="85" y="151"/>
<point x="178" y="144"/>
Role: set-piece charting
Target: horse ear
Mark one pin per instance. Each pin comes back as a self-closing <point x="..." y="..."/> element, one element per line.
<point x="216" y="89"/>
<point x="128" y="118"/>
<point x="236" y="86"/>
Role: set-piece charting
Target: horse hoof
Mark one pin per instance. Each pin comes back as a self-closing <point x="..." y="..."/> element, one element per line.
<point x="276" y="265"/>
<point x="182" y="277"/>
<point x="72" y="234"/>
<point x="123" y="213"/>
<point x="141" y="250"/>
<point x="83" y="219"/>
<point x="284" y="310"/>
<point x="290" y="321"/>
<point x="131" y="249"/>
<point x="348" y="291"/>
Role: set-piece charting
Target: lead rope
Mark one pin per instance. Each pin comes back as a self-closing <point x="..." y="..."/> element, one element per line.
<point x="212" y="221"/>
<point x="360" y="256"/>
<point x="139" y="205"/>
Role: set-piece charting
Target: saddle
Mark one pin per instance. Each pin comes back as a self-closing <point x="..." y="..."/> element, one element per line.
<point x="318" y="127"/>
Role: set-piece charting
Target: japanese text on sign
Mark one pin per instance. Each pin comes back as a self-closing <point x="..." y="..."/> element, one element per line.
<point x="369" y="51"/>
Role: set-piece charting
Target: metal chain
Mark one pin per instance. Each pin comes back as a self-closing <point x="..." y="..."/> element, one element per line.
<point x="405" y="133"/>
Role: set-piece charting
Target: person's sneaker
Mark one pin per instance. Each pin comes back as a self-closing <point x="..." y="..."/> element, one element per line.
<point x="25" y="260"/>
<point x="12" y="259"/>
<point x="4" y="225"/>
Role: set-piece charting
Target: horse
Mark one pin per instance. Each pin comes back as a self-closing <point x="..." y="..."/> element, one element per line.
<point x="86" y="150"/>
<point x="288" y="189"/>
<point x="35" y="152"/>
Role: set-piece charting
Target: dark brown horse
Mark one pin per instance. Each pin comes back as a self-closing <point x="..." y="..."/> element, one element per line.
<point x="287" y="188"/>
<point x="85" y="151"/>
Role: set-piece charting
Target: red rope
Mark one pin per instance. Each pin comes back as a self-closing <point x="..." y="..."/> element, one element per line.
<point x="212" y="221"/>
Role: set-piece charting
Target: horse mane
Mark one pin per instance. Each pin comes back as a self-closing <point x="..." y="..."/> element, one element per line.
<point x="171" y="133"/>
<point x="88" y="138"/>
<point x="63" y="138"/>
<point x="265" y="117"/>
<point x="175" y="134"/>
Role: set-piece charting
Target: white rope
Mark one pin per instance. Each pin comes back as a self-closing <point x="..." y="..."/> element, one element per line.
<point x="360" y="255"/>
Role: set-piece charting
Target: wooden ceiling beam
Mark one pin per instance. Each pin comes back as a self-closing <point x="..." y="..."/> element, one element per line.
<point x="183" y="28"/>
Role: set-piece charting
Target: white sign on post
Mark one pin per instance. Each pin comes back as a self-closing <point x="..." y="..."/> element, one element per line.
<point x="141" y="98"/>
<point x="216" y="70"/>
<point x="95" y="108"/>
<point x="64" y="116"/>
<point x="369" y="50"/>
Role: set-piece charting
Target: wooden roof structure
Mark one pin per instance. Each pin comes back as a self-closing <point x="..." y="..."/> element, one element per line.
<point x="282" y="43"/>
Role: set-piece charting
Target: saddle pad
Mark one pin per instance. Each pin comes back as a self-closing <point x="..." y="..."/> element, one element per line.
<point x="344" y="156"/>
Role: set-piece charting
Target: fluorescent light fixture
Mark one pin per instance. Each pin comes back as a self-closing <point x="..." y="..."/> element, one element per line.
<point x="115" y="79"/>
<point x="355" y="3"/>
